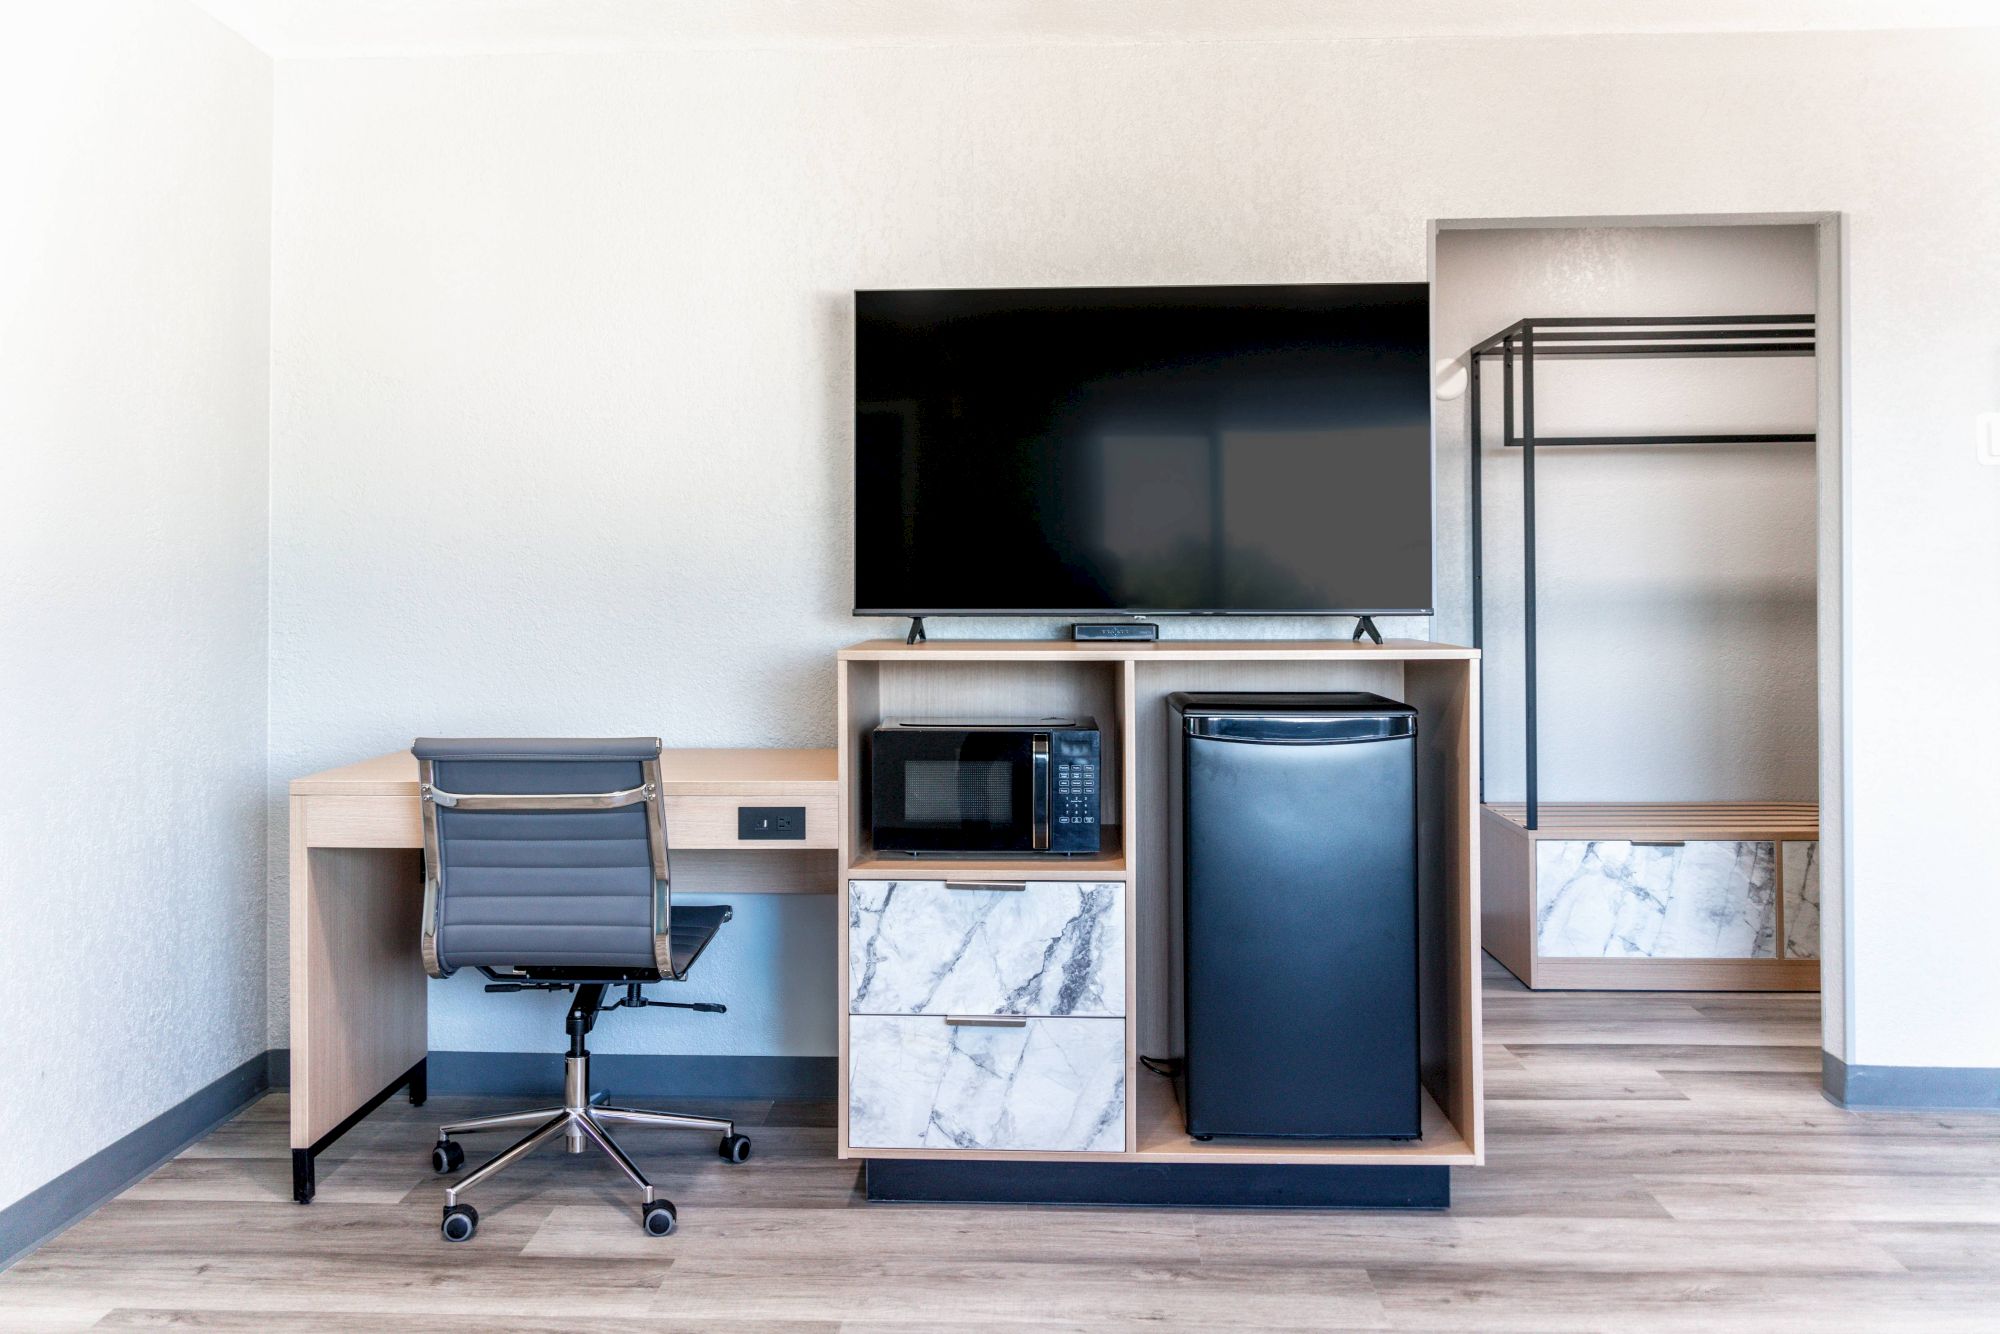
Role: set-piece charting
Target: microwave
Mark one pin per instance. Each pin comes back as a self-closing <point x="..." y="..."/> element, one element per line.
<point x="985" y="787"/>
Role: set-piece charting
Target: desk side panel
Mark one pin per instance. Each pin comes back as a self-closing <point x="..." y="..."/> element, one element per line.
<point x="359" y="1015"/>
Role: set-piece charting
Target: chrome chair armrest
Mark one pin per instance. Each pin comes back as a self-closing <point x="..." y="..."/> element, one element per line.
<point x="433" y="965"/>
<point x="663" y="890"/>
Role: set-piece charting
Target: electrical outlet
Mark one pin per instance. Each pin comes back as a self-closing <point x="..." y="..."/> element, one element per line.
<point x="754" y="822"/>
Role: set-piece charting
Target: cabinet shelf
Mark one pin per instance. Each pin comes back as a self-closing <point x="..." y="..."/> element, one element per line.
<point x="1163" y="1138"/>
<point x="1108" y="863"/>
<point x="1667" y="819"/>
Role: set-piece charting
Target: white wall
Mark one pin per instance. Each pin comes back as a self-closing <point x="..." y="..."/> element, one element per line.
<point x="560" y="370"/>
<point x="1675" y="585"/>
<point x="134" y="222"/>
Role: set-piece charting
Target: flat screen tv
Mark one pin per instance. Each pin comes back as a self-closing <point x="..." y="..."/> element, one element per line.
<point x="1253" y="450"/>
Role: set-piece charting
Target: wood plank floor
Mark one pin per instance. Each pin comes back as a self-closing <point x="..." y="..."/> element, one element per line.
<point x="1656" y="1162"/>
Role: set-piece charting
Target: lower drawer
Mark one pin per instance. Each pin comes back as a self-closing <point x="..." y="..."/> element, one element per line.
<point x="938" y="1082"/>
<point x="1612" y="898"/>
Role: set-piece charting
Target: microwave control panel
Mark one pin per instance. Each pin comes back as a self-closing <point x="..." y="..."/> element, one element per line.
<point x="1075" y="760"/>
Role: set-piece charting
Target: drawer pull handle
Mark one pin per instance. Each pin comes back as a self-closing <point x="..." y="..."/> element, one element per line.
<point x="1659" y="842"/>
<point x="1011" y="886"/>
<point x="983" y="1021"/>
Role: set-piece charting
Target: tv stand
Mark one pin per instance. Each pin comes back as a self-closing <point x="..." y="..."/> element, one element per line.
<point x="1365" y="625"/>
<point x="1046" y="1100"/>
<point x="917" y="635"/>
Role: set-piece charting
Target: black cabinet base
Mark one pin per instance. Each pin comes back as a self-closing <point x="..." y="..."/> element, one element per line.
<point x="1190" y="1185"/>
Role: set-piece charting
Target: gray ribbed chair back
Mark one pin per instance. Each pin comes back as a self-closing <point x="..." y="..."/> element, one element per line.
<point x="569" y="885"/>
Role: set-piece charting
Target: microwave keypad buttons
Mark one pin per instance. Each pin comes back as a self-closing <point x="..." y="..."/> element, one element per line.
<point x="1076" y="790"/>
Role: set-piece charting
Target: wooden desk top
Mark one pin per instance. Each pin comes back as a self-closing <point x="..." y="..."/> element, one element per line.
<point x="686" y="771"/>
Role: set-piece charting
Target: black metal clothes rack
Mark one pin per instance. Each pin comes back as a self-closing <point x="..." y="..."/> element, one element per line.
<point x="1518" y="347"/>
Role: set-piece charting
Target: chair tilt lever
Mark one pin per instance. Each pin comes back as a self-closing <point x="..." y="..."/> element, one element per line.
<point x="634" y="1000"/>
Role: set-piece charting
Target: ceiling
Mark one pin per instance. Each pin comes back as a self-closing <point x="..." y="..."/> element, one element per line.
<point x="312" y="29"/>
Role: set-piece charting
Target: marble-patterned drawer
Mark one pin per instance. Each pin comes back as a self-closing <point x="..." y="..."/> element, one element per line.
<point x="925" y="1082"/>
<point x="948" y="947"/>
<point x="1610" y="898"/>
<point x="1799" y="871"/>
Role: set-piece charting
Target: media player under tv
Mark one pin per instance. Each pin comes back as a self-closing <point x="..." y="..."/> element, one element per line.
<point x="1115" y="630"/>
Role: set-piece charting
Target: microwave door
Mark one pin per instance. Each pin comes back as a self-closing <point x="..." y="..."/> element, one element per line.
<point x="947" y="791"/>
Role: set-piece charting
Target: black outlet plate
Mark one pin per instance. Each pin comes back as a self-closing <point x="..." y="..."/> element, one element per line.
<point x="755" y="822"/>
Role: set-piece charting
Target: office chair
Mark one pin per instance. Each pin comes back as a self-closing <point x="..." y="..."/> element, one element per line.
<point x="545" y="867"/>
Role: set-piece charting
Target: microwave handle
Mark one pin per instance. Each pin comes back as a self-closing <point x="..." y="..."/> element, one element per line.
<point x="1043" y="797"/>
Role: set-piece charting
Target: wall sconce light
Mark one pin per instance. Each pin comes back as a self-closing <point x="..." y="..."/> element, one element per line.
<point x="1449" y="378"/>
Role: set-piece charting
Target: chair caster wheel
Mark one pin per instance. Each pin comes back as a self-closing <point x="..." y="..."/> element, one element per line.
<point x="734" y="1148"/>
<point x="447" y="1157"/>
<point x="460" y="1222"/>
<point x="658" y="1219"/>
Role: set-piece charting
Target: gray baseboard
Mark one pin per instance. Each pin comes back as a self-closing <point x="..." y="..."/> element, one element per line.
<point x="1933" y="1088"/>
<point x="49" y="1208"/>
<point x="535" y="1074"/>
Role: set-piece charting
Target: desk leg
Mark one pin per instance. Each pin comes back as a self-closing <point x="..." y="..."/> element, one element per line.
<point x="304" y="1181"/>
<point x="358" y="1020"/>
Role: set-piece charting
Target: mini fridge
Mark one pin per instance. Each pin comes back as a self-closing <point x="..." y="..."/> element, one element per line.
<point x="1295" y="888"/>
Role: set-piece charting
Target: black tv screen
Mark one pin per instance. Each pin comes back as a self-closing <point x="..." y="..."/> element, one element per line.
<point x="1181" y="449"/>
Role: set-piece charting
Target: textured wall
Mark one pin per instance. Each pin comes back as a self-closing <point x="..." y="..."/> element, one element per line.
<point x="1675" y="586"/>
<point x="134" y="225"/>
<point x="560" y="370"/>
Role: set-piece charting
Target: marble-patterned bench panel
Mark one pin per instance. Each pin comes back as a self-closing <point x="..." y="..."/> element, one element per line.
<point x="918" y="1082"/>
<point x="1800" y="863"/>
<point x="1049" y="948"/>
<point x="1609" y="898"/>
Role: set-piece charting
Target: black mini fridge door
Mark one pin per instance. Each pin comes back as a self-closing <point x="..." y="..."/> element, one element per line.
<point x="1297" y="887"/>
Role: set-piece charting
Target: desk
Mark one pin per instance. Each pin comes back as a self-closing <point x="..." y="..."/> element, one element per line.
<point x="358" y="999"/>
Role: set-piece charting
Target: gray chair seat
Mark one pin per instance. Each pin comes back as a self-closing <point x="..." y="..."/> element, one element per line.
<point x="691" y="929"/>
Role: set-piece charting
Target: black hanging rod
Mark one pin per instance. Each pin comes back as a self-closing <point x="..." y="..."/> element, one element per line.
<point x="1664" y="328"/>
<point x="1782" y="438"/>
<point x="1747" y="349"/>
<point x="1624" y="335"/>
